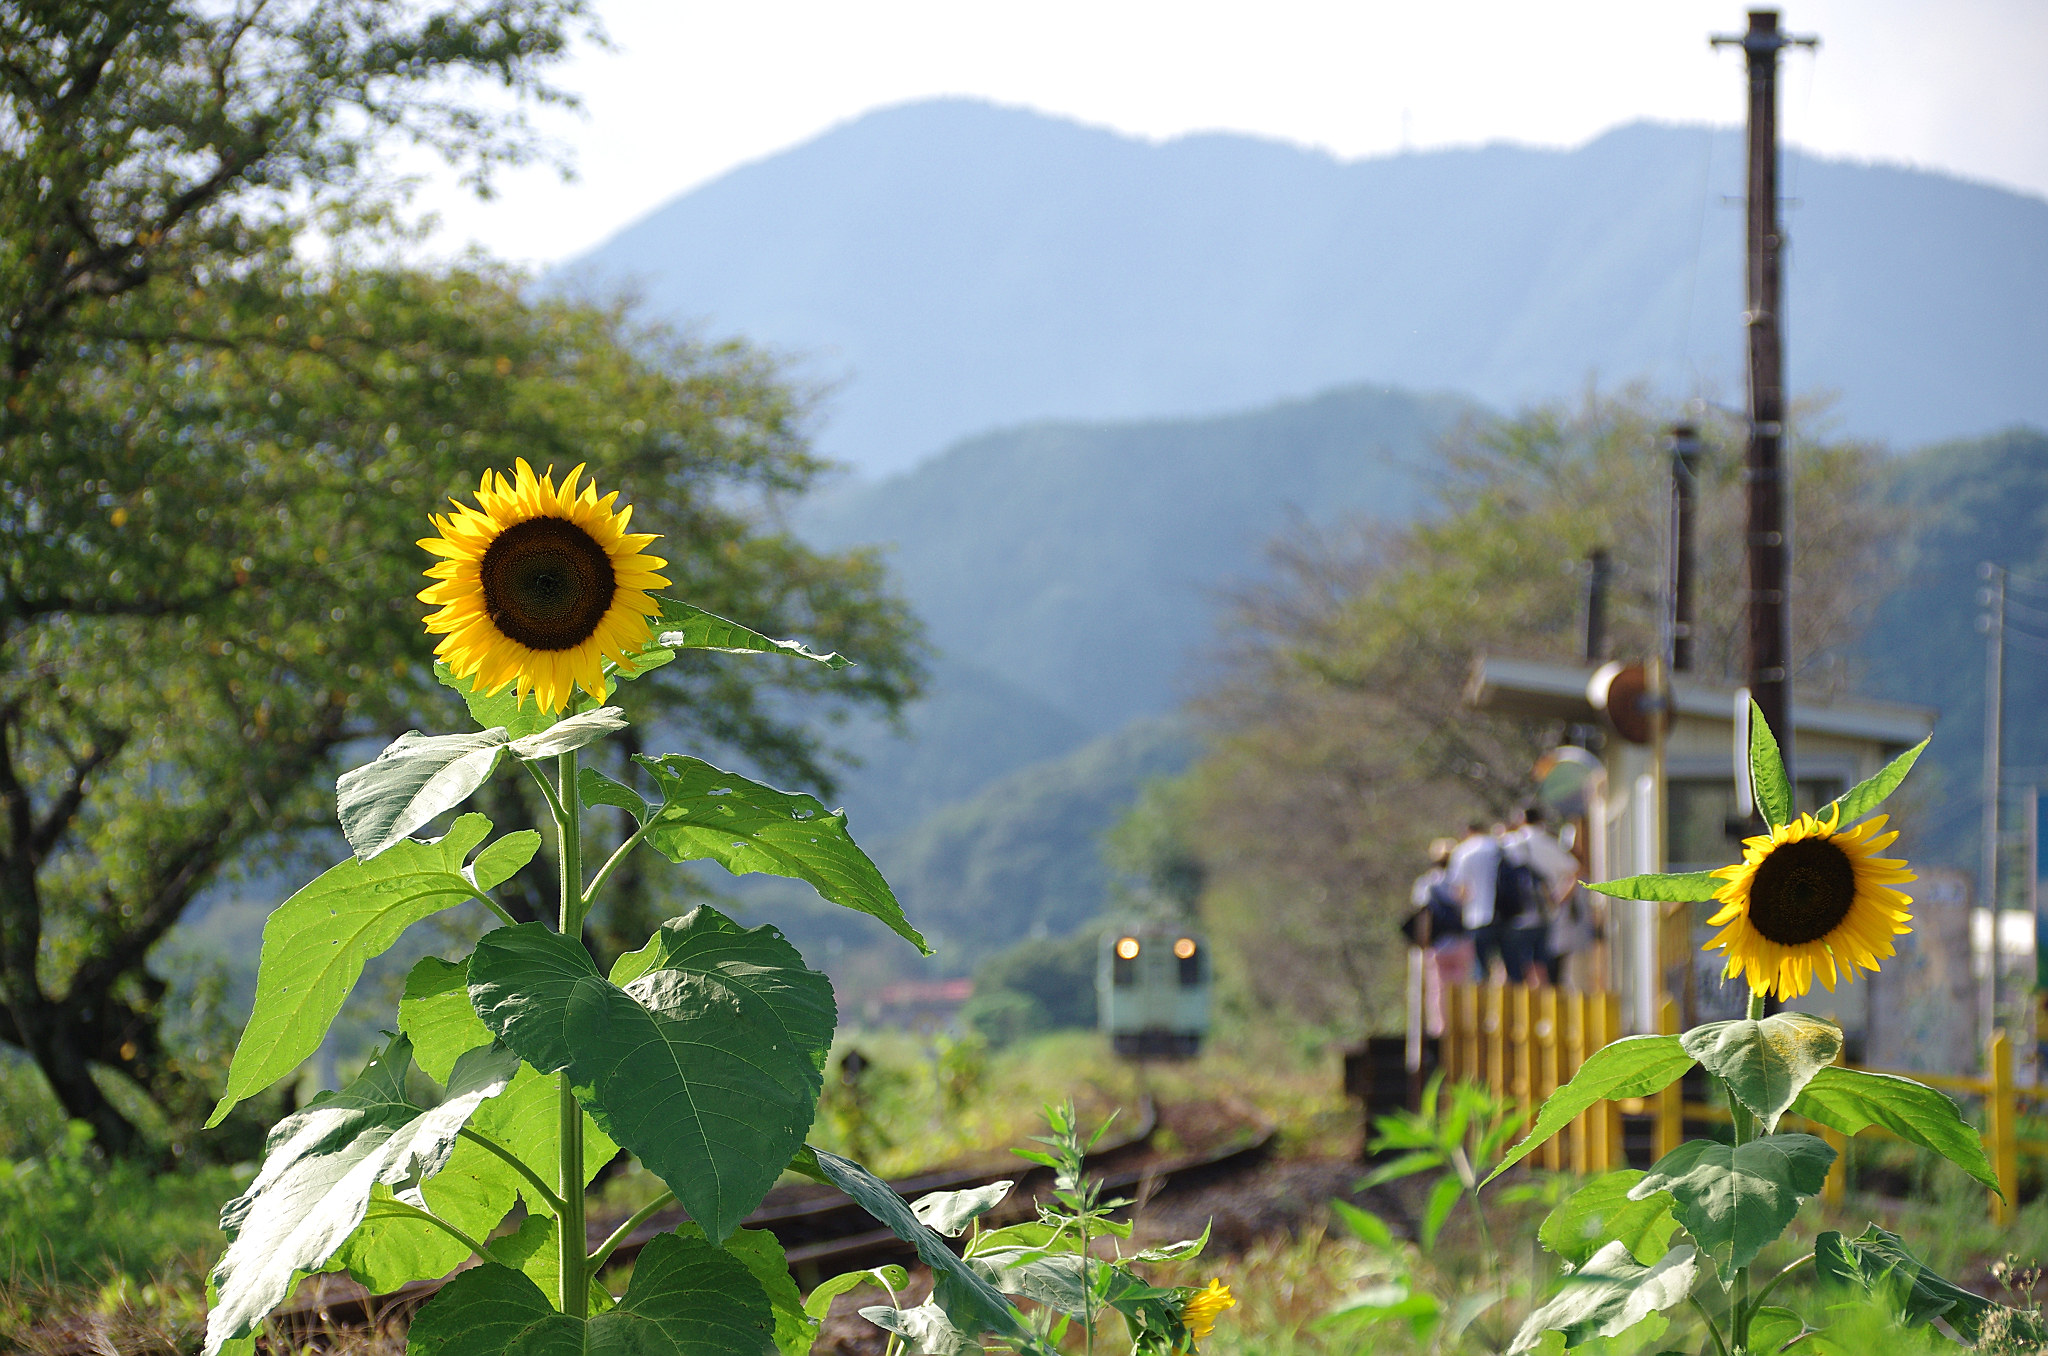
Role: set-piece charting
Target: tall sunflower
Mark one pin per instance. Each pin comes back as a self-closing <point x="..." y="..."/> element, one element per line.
<point x="1810" y="899"/>
<point x="538" y="586"/>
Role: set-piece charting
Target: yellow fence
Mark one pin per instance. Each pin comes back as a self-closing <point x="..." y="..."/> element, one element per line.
<point x="1524" y="1043"/>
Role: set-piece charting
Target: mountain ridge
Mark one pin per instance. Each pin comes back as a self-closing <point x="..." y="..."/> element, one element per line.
<point x="961" y="266"/>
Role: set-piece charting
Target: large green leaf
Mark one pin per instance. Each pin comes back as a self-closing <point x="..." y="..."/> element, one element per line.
<point x="1603" y="1212"/>
<point x="762" y="972"/>
<point x="747" y="827"/>
<point x="1635" y="1066"/>
<point x="1685" y="887"/>
<point x="696" y="1072"/>
<point x="1878" y="1263"/>
<point x="1767" y="780"/>
<point x="1609" y="1295"/>
<point x="1863" y="798"/>
<point x="502" y="711"/>
<point x="1735" y="1200"/>
<point x="316" y="943"/>
<point x="1766" y="1063"/>
<point x="319" y="1168"/>
<point x="435" y="1014"/>
<point x="1851" y="1101"/>
<point x="950" y="1212"/>
<point x="970" y="1302"/>
<point x="416" y="779"/>
<point x="761" y="1252"/>
<point x="475" y="1188"/>
<point x="686" y="1298"/>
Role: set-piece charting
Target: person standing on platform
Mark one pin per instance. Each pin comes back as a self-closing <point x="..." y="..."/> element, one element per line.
<point x="1475" y="863"/>
<point x="1533" y="935"/>
<point x="1447" y="956"/>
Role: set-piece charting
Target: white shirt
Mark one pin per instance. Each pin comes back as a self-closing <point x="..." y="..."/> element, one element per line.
<point x="1474" y="864"/>
<point x="1544" y="855"/>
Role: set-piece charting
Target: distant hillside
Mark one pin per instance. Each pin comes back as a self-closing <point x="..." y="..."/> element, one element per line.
<point x="1080" y="565"/>
<point x="1018" y="859"/>
<point x="1973" y="501"/>
<point x="957" y="266"/>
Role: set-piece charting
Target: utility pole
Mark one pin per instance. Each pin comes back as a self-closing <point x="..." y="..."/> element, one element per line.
<point x="1993" y="624"/>
<point x="1770" y="660"/>
<point x="1685" y="461"/>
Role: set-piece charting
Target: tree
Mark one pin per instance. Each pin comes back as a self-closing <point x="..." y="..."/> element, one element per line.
<point x="216" y="458"/>
<point x="1341" y="742"/>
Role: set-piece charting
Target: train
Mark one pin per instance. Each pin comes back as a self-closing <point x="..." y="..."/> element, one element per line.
<point x="1152" y="986"/>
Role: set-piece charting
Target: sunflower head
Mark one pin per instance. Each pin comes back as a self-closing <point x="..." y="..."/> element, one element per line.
<point x="538" y="586"/>
<point x="1810" y="899"/>
<point x="1202" y="1307"/>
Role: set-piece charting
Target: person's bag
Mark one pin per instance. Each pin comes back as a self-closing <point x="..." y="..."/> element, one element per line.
<point x="1516" y="896"/>
<point x="1439" y="917"/>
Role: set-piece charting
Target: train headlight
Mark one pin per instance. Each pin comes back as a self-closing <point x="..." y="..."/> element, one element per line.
<point x="1184" y="948"/>
<point x="1127" y="948"/>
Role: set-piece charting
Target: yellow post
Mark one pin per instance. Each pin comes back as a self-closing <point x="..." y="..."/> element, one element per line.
<point x="1546" y="1068"/>
<point x="1574" y="1056"/>
<point x="1610" y="1112"/>
<point x="1495" y="1022"/>
<point x="1468" y="1045"/>
<point x="1521" y="1068"/>
<point x="1671" y="1101"/>
<point x="2003" y="1110"/>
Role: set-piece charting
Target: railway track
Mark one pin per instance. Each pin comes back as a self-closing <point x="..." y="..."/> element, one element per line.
<point x="824" y="1232"/>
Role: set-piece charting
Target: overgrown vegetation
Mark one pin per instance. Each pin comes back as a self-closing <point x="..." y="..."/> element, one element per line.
<point x="1341" y="742"/>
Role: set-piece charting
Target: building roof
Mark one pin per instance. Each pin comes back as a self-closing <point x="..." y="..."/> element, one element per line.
<point x="1544" y="690"/>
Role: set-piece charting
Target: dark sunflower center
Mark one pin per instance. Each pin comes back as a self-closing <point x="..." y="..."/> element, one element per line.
<point x="547" y="583"/>
<point x="1801" y="891"/>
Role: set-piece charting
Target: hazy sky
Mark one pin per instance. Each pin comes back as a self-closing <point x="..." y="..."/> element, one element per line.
<point x="691" y="89"/>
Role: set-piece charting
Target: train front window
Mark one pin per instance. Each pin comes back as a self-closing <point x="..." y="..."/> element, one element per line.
<point x="1124" y="969"/>
<point x="1190" y="958"/>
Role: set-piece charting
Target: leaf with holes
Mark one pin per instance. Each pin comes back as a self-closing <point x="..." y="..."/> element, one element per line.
<point x="1603" y="1212"/>
<point x="1735" y="1200"/>
<point x="747" y="827"/>
<point x="316" y="943"/>
<point x="1852" y="1100"/>
<point x="319" y="1169"/>
<point x="1635" y="1066"/>
<point x="708" y="1075"/>
<point x="1766" y="1063"/>
<point x="1609" y="1295"/>
<point x="686" y="1298"/>
<point x="416" y="779"/>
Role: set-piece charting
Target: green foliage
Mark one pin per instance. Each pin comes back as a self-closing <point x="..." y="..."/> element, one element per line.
<point x="315" y="1186"/>
<point x="413" y="782"/>
<point x="744" y="826"/>
<point x="687" y="1298"/>
<point x="215" y="450"/>
<point x="1605" y="1211"/>
<point x="1038" y="984"/>
<point x="1860" y="801"/>
<point x="1765" y="1064"/>
<point x="1736" y="1198"/>
<point x="1676" y="887"/>
<point x="1768" y="784"/>
<point x="1609" y="1295"/>
<point x="1853" y="1100"/>
<point x="1635" y="1066"/>
<point x="708" y="1072"/>
<point x="315" y="944"/>
<point x="1877" y="1262"/>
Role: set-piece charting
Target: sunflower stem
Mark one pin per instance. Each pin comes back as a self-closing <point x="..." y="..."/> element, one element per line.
<point x="572" y="1238"/>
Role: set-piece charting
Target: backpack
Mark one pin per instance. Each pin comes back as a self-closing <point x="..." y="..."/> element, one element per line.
<point x="1439" y="918"/>
<point x="1515" y="893"/>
